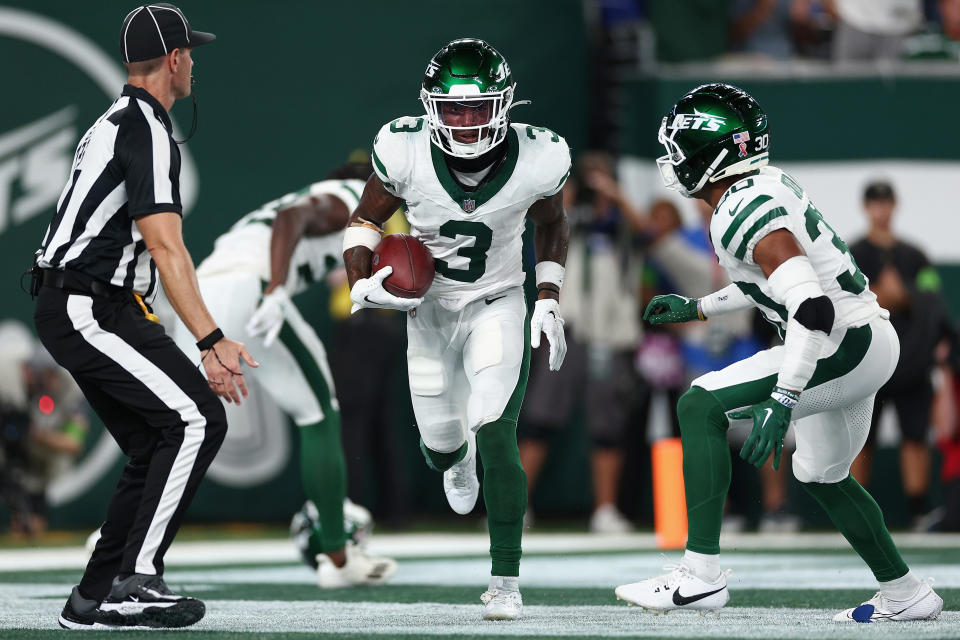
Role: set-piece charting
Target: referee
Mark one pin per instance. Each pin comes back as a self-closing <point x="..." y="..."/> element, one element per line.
<point x="117" y="223"/>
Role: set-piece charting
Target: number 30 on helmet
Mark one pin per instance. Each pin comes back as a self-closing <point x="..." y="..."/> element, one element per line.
<point x="713" y="132"/>
<point x="467" y="75"/>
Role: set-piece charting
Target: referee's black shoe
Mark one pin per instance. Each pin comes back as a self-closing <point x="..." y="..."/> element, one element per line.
<point x="143" y="600"/>
<point x="81" y="613"/>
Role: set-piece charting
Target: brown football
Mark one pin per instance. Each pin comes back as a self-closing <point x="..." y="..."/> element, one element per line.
<point x="412" y="265"/>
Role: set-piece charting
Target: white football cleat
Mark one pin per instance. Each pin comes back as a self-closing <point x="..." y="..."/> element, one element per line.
<point x="360" y="570"/>
<point x="924" y="605"/>
<point x="460" y="481"/>
<point x="679" y="589"/>
<point x="502" y="600"/>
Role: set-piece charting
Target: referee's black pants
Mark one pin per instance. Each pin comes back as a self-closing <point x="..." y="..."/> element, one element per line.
<point x="157" y="406"/>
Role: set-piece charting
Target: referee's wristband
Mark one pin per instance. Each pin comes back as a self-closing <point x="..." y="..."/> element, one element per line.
<point x="211" y="339"/>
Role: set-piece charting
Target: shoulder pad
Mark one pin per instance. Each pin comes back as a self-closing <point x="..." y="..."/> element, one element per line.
<point x="548" y="152"/>
<point x="392" y="149"/>
<point x="749" y="210"/>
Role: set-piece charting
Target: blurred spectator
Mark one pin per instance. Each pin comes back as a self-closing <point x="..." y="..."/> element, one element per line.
<point x="813" y="25"/>
<point x="870" y="30"/>
<point x="908" y="286"/>
<point x="941" y="41"/>
<point x="43" y="422"/>
<point x="58" y="430"/>
<point x="762" y="27"/>
<point x="599" y="305"/>
<point x="946" y="421"/>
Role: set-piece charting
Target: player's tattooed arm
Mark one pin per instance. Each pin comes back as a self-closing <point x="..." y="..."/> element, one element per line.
<point x="551" y="233"/>
<point x="375" y="208"/>
<point x="310" y="216"/>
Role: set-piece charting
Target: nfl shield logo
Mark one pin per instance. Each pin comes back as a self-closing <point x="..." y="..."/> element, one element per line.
<point x="469" y="205"/>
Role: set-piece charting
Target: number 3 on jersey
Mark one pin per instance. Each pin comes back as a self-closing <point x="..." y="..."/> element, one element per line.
<point x="476" y="254"/>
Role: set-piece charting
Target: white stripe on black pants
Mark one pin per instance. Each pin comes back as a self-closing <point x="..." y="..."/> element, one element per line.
<point x="157" y="406"/>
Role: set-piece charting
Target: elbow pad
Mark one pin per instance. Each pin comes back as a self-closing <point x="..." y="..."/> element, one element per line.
<point x="816" y="314"/>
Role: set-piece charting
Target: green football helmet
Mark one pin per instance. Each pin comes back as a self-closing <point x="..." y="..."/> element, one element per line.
<point x="713" y="132"/>
<point x="467" y="74"/>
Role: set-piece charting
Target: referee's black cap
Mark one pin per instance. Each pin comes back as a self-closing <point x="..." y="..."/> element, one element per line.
<point x="154" y="30"/>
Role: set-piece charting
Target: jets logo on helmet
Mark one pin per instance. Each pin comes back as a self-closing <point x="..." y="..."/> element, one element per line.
<point x="706" y="134"/>
<point x="698" y="120"/>
<point x="467" y="91"/>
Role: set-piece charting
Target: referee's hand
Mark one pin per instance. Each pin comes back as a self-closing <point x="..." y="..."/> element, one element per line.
<point x="222" y="364"/>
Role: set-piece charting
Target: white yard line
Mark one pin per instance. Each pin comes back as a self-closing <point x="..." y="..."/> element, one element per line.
<point x="407" y="545"/>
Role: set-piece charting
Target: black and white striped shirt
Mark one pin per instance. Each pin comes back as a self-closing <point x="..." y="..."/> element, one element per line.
<point x="127" y="165"/>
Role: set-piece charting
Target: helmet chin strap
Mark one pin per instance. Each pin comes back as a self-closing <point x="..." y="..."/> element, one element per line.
<point x="193" y="124"/>
<point x="710" y="171"/>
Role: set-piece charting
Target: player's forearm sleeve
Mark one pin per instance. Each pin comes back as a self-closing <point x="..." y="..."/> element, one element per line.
<point x="726" y="300"/>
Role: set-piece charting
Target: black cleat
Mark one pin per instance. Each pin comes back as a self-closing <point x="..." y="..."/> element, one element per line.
<point x="81" y="613"/>
<point x="143" y="600"/>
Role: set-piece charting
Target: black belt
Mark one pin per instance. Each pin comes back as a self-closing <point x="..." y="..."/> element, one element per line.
<point x="77" y="282"/>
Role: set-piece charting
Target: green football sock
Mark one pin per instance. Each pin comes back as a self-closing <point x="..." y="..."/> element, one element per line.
<point x="504" y="493"/>
<point x="706" y="467"/>
<point x="858" y="517"/>
<point x="442" y="461"/>
<point x="323" y="471"/>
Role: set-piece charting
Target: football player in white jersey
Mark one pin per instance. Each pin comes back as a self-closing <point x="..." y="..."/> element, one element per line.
<point x="839" y="348"/>
<point x="468" y="179"/>
<point x="266" y="258"/>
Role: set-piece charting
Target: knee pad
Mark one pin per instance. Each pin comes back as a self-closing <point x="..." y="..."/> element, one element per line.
<point x="699" y="412"/>
<point x="443" y="437"/>
<point x="426" y="376"/>
<point x="487" y="402"/>
<point x="809" y="471"/>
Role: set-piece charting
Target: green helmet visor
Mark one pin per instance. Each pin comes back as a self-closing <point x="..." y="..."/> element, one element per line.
<point x="465" y="122"/>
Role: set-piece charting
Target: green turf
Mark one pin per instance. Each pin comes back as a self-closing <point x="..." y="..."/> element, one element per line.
<point x="34" y="634"/>
<point x="288" y="593"/>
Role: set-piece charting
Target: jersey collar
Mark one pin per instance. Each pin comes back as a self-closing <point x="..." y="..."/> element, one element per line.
<point x="470" y="201"/>
<point x="146" y="96"/>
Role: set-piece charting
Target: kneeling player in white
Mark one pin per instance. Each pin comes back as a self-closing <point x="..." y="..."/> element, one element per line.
<point x="468" y="179"/>
<point x="839" y="348"/>
<point x="268" y="256"/>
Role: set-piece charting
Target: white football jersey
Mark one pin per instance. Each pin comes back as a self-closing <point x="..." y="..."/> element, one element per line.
<point x="475" y="237"/>
<point x="246" y="246"/>
<point x="770" y="200"/>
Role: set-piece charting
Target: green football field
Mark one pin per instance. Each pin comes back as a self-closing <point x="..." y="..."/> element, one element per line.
<point x="781" y="587"/>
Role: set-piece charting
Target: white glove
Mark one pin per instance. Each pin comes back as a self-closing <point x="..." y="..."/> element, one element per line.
<point x="269" y="317"/>
<point x="546" y="318"/>
<point x="368" y="293"/>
